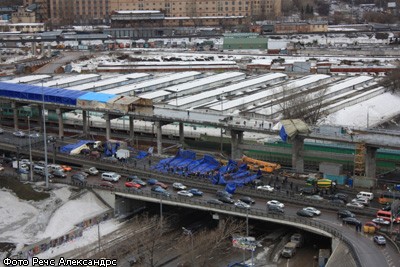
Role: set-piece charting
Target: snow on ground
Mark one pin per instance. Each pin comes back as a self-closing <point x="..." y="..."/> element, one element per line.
<point x="378" y="109"/>
<point x="71" y="213"/>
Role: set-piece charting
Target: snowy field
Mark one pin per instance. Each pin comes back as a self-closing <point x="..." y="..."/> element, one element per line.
<point x="27" y="222"/>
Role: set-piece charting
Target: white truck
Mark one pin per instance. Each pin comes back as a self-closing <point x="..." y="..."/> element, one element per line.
<point x="289" y="250"/>
<point x="122" y="154"/>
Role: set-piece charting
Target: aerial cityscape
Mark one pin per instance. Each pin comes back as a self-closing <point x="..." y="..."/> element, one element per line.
<point x="209" y="133"/>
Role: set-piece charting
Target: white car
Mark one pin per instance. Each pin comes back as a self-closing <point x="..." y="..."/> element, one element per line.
<point x="313" y="210"/>
<point x="381" y="221"/>
<point x="242" y="205"/>
<point x="110" y="176"/>
<point x="185" y="193"/>
<point x="1" y="168"/>
<point x="179" y="186"/>
<point x="355" y="205"/>
<point x="275" y="203"/>
<point x="267" y="188"/>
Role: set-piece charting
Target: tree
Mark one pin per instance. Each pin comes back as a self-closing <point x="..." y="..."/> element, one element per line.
<point x="392" y="81"/>
<point x="323" y="8"/>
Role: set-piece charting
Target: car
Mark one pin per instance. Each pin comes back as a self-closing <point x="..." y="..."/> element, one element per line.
<point x="387" y="207"/>
<point x="41" y="163"/>
<point x="364" y="201"/>
<point x="275" y="209"/>
<point x="372" y="224"/>
<point x="25" y="161"/>
<point x="196" y="192"/>
<point x="355" y="205"/>
<point x="215" y="201"/>
<point x="152" y="181"/>
<point x="380" y="240"/>
<point x="380" y="221"/>
<point x="313" y="210"/>
<point x="308" y="190"/>
<point x="179" y="186"/>
<point x="337" y="201"/>
<point x="267" y="188"/>
<point x="242" y="205"/>
<point x="131" y="177"/>
<point x="78" y="177"/>
<point x="305" y="213"/>
<point x="227" y="200"/>
<point x="34" y="135"/>
<point x="341" y="196"/>
<point x="247" y="200"/>
<point x="185" y="193"/>
<point x="83" y="173"/>
<point x="1" y="168"/>
<point x="275" y="203"/>
<point x="164" y="186"/>
<point x="133" y="185"/>
<point x="110" y="176"/>
<point x="1" y="131"/>
<point x="222" y="193"/>
<point x="315" y="197"/>
<point x="139" y="181"/>
<point x="19" y="134"/>
<point x="51" y="139"/>
<point x="59" y="174"/>
<point x="351" y="220"/>
<point x="159" y="190"/>
<point x="345" y="214"/>
<point x="66" y="168"/>
<point x="106" y="184"/>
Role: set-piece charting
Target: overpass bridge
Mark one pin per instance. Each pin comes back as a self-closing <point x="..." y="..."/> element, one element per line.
<point x="371" y="140"/>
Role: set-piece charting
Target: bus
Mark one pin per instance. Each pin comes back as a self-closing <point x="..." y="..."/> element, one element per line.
<point x="388" y="197"/>
<point x="387" y="215"/>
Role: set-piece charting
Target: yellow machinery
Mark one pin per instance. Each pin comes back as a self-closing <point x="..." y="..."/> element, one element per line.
<point x="256" y="165"/>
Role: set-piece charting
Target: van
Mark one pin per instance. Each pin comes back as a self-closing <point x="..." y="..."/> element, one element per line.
<point x="55" y="167"/>
<point x="39" y="169"/>
<point x="110" y="176"/>
<point x="367" y="195"/>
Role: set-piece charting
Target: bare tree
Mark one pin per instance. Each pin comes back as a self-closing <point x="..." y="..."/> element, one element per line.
<point x="392" y="81"/>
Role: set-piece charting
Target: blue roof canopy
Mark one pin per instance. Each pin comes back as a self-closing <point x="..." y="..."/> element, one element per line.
<point x="99" y="97"/>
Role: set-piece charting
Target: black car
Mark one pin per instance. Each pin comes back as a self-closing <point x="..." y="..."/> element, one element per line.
<point x="345" y="214"/>
<point x="304" y="213"/>
<point x="387" y="207"/>
<point x="221" y="193"/>
<point x="341" y="196"/>
<point x="247" y="200"/>
<point x="337" y="201"/>
<point x="215" y="201"/>
<point x="308" y="191"/>
<point x="275" y="209"/>
<point x="351" y="220"/>
<point x="226" y="199"/>
<point x="59" y="174"/>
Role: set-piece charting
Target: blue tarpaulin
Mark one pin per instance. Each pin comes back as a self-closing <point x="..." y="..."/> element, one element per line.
<point x="68" y="148"/>
<point x="230" y="188"/>
<point x="282" y="134"/>
<point x="142" y="154"/>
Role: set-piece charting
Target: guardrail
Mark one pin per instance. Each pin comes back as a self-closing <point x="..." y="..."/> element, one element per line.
<point x="232" y="209"/>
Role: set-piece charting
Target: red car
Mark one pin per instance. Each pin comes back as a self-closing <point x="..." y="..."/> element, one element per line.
<point x="164" y="186"/>
<point x="132" y="184"/>
<point x="107" y="184"/>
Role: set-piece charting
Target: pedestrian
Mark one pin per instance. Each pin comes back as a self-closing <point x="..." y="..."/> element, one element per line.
<point x="287" y="192"/>
<point x="135" y="163"/>
<point x="188" y="112"/>
<point x="291" y="185"/>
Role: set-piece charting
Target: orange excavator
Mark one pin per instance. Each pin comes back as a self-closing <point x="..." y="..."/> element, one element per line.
<point x="264" y="166"/>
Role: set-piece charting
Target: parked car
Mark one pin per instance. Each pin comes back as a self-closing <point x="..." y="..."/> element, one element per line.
<point x="363" y="201"/>
<point x="227" y="200"/>
<point x="355" y="205"/>
<point x="106" y="184"/>
<point x="337" y="201"/>
<point x="215" y="201"/>
<point x="275" y="203"/>
<point x="1" y="131"/>
<point x="380" y="240"/>
<point x="304" y="213"/>
<point x="152" y="181"/>
<point x="185" y="193"/>
<point x="345" y="214"/>
<point x="59" y="174"/>
<point x="179" y="186"/>
<point x="341" y="196"/>
<point x="381" y="221"/>
<point x="351" y="220"/>
<point x="222" y="193"/>
<point x="196" y="192"/>
<point x="139" y="181"/>
<point x="267" y="188"/>
<point x="247" y="200"/>
<point x="133" y="185"/>
<point x="387" y="207"/>
<point x="164" y="186"/>
<point x="315" y="197"/>
<point x="34" y="135"/>
<point x="110" y="176"/>
<point x="242" y="205"/>
<point x="19" y="134"/>
<point x="313" y="210"/>
<point x="159" y="190"/>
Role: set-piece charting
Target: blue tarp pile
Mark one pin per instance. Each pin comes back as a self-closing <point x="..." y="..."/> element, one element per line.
<point x="238" y="176"/>
<point x="68" y="148"/>
<point x="110" y="148"/>
<point x="142" y="154"/>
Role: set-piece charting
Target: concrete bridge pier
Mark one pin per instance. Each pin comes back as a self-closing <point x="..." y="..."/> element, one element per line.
<point x="236" y="141"/>
<point x="131" y="129"/>
<point x="297" y="154"/>
<point x="85" y="122"/>
<point x="370" y="162"/>
<point x="60" y="123"/>
<point x="159" y="137"/>
<point x="40" y="118"/>
<point x="14" y="107"/>
<point x="125" y="206"/>
<point x="181" y="134"/>
<point x="108" y="126"/>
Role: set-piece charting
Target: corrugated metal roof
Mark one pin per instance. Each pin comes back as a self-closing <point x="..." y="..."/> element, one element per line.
<point x="35" y="93"/>
<point x="99" y="97"/>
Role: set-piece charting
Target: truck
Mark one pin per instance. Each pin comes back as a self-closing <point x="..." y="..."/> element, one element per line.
<point x="297" y="239"/>
<point x="122" y="154"/>
<point x="289" y="250"/>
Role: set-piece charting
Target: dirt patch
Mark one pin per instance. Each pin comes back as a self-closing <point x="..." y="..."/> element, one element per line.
<point x="23" y="191"/>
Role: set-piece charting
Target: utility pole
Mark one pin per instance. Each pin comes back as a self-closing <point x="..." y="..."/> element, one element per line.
<point x="30" y="150"/>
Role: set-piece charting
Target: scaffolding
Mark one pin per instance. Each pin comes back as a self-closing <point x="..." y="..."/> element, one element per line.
<point x="359" y="159"/>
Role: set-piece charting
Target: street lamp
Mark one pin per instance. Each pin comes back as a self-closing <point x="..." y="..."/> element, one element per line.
<point x="46" y="171"/>
<point x="189" y="232"/>
<point x="30" y="149"/>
